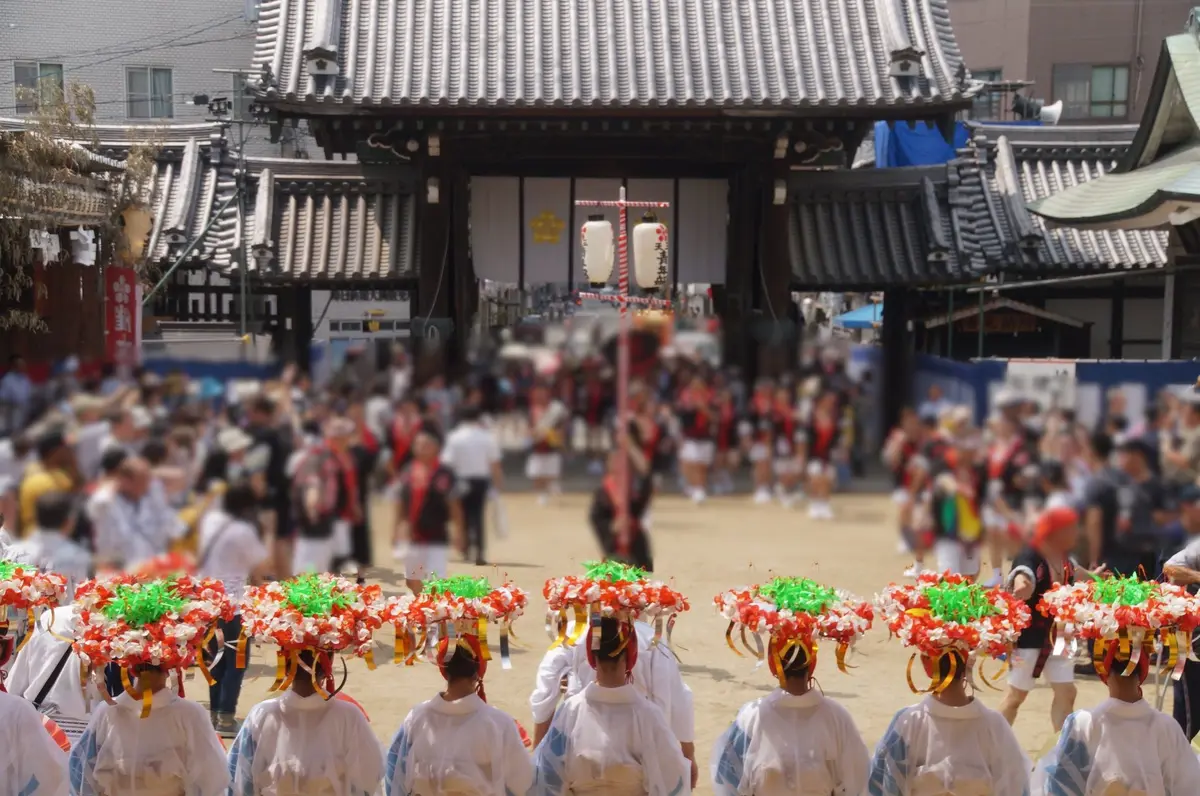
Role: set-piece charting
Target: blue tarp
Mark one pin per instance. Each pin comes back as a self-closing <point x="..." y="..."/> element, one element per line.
<point x="897" y="144"/>
<point x="865" y="317"/>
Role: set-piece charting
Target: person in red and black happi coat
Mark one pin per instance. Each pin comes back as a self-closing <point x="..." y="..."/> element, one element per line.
<point x="788" y="442"/>
<point x="405" y="425"/>
<point x="650" y="432"/>
<point x="728" y="451"/>
<point x="826" y="451"/>
<point x="697" y="427"/>
<point x="757" y="431"/>
<point x="623" y="533"/>
<point x="902" y="454"/>
<point x="325" y="494"/>
<point x="1008" y="456"/>
<point x="592" y="404"/>
<point x="429" y="515"/>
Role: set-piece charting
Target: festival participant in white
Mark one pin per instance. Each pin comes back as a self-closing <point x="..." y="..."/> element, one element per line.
<point x="303" y="742"/>
<point x="456" y="743"/>
<point x="949" y="742"/>
<point x="1123" y="745"/>
<point x="150" y="741"/>
<point x="656" y="676"/>
<point x="31" y="763"/>
<point x="794" y="741"/>
<point x="23" y="592"/>
<point x="47" y="670"/>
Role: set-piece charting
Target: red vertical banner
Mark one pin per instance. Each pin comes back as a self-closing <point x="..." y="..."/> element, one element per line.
<point x="122" y="316"/>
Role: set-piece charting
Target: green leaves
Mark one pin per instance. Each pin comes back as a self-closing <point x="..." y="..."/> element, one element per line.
<point x="613" y="572"/>
<point x="462" y="586"/>
<point x="1123" y="591"/>
<point x="313" y="595"/>
<point x="141" y="605"/>
<point x="799" y="595"/>
<point x="959" y="602"/>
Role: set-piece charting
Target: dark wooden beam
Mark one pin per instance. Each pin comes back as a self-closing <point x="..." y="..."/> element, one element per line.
<point x="1116" y="308"/>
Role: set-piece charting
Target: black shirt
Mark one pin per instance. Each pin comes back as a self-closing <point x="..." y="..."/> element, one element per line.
<point x="1030" y="562"/>
<point x="425" y="499"/>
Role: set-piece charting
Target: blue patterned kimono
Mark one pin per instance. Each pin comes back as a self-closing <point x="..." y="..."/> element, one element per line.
<point x="31" y="763"/>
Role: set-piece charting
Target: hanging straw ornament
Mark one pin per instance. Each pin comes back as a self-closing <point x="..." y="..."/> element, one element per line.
<point x="945" y="614"/>
<point x="609" y="589"/>
<point x="1129" y="614"/>
<point x="320" y="614"/>
<point x="459" y="608"/>
<point x="792" y="613"/>
<point x="158" y="623"/>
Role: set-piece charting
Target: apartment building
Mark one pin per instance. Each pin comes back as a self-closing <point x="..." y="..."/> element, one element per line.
<point x="146" y="62"/>
<point x="1097" y="56"/>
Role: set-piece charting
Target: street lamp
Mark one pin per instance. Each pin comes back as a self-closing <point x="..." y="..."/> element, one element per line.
<point x="650" y="270"/>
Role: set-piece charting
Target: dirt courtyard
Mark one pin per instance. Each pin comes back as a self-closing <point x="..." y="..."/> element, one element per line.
<point x="726" y="543"/>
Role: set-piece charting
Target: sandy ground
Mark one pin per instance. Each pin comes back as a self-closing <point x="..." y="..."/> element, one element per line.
<point x="726" y="543"/>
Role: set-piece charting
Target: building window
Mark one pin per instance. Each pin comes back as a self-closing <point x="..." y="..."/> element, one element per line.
<point x="149" y="92"/>
<point x="1092" y="92"/>
<point x="36" y="83"/>
<point x="987" y="103"/>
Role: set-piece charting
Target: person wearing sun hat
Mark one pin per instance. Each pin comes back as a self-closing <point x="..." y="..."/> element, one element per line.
<point x="949" y="742"/>
<point x="456" y="743"/>
<point x="609" y="738"/>
<point x="1123" y="745"/>
<point x="303" y="741"/>
<point x="656" y="674"/>
<point x="794" y="740"/>
<point x="149" y="740"/>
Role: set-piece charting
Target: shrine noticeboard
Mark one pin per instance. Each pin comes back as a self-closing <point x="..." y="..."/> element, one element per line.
<point x="122" y="316"/>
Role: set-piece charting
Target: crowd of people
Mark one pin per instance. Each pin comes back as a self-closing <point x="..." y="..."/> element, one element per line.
<point x="187" y="521"/>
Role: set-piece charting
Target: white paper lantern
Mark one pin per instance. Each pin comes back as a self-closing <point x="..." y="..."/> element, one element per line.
<point x="596" y="237"/>
<point x="650" y="253"/>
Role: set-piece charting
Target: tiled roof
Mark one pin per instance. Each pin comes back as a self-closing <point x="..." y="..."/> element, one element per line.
<point x="331" y="220"/>
<point x="873" y="227"/>
<point x="1028" y="163"/>
<point x="715" y="54"/>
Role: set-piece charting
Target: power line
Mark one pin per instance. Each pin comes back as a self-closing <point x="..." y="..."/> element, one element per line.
<point x="170" y="43"/>
<point x="107" y="49"/>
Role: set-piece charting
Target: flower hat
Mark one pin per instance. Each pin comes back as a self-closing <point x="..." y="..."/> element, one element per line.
<point x="460" y="608"/>
<point x="318" y="613"/>
<point x="944" y="614"/>
<point x="792" y="613"/>
<point x="165" y="567"/>
<point x="1124" y="616"/>
<point x="609" y="589"/>
<point x="162" y="623"/>
<point x="24" y="588"/>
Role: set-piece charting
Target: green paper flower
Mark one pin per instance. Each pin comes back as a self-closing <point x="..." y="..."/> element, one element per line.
<point x="467" y="588"/>
<point x="961" y="603"/>
<point x="1123" y="591"/>
<point x="313" y="595"/>
<point x="612" y="572"/>
<point x="7" y="569"/>
<point x="141" y="605"/>
<point x="799" y="595"/>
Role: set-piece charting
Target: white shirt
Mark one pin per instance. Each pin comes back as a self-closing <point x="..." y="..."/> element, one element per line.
<point x="37" y="660"/>
<point x="171" y="752"/>
<point x="470" y="451"/>
<point x="31" y="763"/>
<point x="656" y="676"/>
<point x="932" y="749"/>
<point x="460" y="748"/>
<point x="1119" y="747"/>
<point x="610" y="742"/>
<point x="52" y="551"/>
<point x="785" y="745"/>
<point x="129" y="532"/>
<point x="90" y="447"/>
<point x="229" y="550"/>
<point x="305" y="746"/>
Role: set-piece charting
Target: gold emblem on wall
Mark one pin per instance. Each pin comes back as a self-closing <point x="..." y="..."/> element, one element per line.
<point x="547" y="227"/>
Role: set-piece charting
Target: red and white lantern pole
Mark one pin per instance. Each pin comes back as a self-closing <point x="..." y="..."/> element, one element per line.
<point x="623" y="300"/>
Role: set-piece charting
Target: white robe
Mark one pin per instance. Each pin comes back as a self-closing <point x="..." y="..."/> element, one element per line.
<point x="785" y="745"/>
<point x="305" y="746"/>
<point x="656" y="675"/>
<point x="172" y="752"/>
<point x="1119" y="749"/>
<point x="460" y="748"/>
<point x="610" y="742"/>
<point x="31" y="763"/>
<point x="931" y="749"/>
<point x="37" y="661"/>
